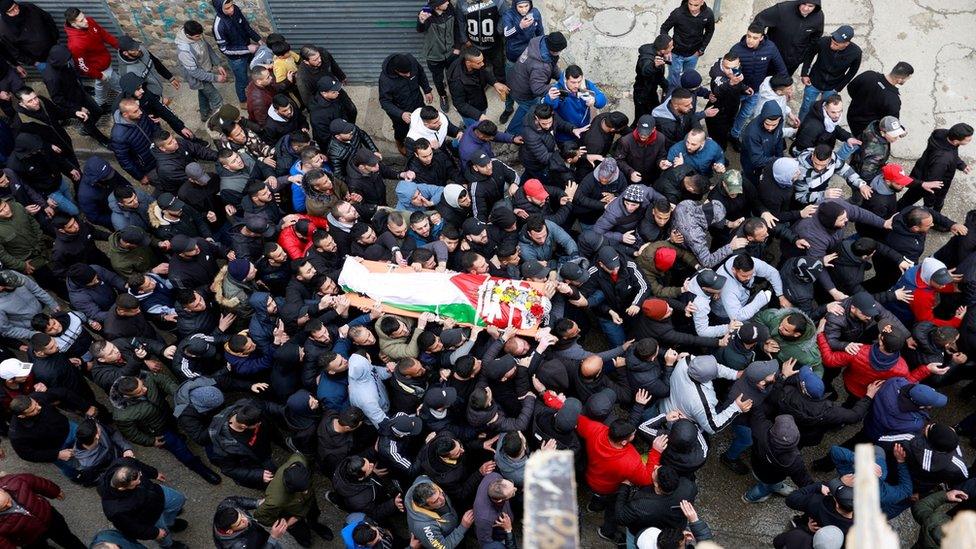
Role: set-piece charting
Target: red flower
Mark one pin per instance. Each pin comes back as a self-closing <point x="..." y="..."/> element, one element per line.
<point x="537" y="310"/>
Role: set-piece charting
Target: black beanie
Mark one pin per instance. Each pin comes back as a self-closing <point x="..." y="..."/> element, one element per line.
<point x="81" y="274"/>
<point x="556" y="42"/>
<point x="400" y="62"/>
<point x="828" y="212"/>
<point x="942" y="438"/>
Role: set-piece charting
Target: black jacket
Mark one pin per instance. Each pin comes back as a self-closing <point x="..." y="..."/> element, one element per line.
<point x="794" y="35"/>
<point x="939" y="161"/>
<point x="197" y="271"/>
<point x="833" y="70"/>
<point x="629" y="289"/>
<point x="29" y="40"/>
<point x="651" y="375"/>
<point x="769" y="464"/>
<point x="245" y="463"/>
<point x="812" y="131"/>
<point x="468" y="88"/>
<point x="488" y="190"/>
<point x="171" y="167"/>
<point x="133" y="512"/>
<point x="728" y="98"/>
<point x="539" y="145"/>
<point x="48" y="124"/>
<point x="39" y="438"/>
<point x="640" y="508"/>
<point x="398" y="94"/>
<point x="459" y="480"/>
<point x="251" y="537"/>
<point x="369" y="495"/>
<point x="442" y="169"/>
<point x="649" y="77"/>
<point x="633" y="156"/>
<point x="62" y="82"/>
<point x="814" y="418"/>
<point x="321" y="114"/>
<point x="692" y="33"/>
<point x="588" y="205"/>
<point x="811" y="501"/>
<point x="274" y="129"/>
<point x="911" y="245"/>
<point x="872" y="98"/>
<point x="76" y="248"/>
<point x="667" y="336"/>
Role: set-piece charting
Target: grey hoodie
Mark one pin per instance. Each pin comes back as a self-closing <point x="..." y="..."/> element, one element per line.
<point x="366" y="389"/>
<point x="143" y="66"/>
<point x="692" y="393"/>
<point x="19" y="306"/>
<point x="198" y="60"/>
<point x="511" y="468"/>
<point x="435" y="530"/>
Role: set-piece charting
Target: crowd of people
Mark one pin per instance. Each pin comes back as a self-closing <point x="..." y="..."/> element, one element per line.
<point x="182" y="291"/>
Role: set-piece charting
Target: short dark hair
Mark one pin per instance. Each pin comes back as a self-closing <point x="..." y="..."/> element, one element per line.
<point x="39" y="322"/>
<point x="280" y="47"/>
<point x="160" y="137"/>
<point x="798" y="321"/>
<point x="543" y="111"/>
<point x="661" y="42"/>
<point x="646" y="348"/>
<point x="470" y="52"/>
<point x="127" y="384"/>
<point x="573" y="71"/>
<point x="425" y="341"/>
<point x="671" y="538"/>
<point x="731" y="56"/>
<point x="429" y="113"/>
<point x="126" y="301"/>
<point x="743" y="262"/>
<point x="943" y="335"/>
<point x="752" y="225"/>
<point x="535" y="223"/>
<point x="417" y="217"/>
<point x="389" y="324"/>
<point x="512" y="444"/>
<point x="20" y="404"/>
<point x="562" y="327"/>
<point x="833" y="99"/>
<point x="40" y="340"/>
<point x="667" y="479"/>
<point x="464" y="365"/>
<point x="421" y="143"/>
<point x="620" y="430"/>
<point x="70" y="15"/>
<point x="248" y="414"/>
<point x="864" y="246"/>
<point x="756" y="28"/>
<point x="681" y="93"/>
<point x="135" y="280"/>
<point x="363" y="534"/>
<point x="23" y="90"/>
<point x="123" y="191"/>
<point x="225" y="517"/>
<point x="960" y="131"/>
<point x="902" y="69"/>
<point x="87" y="430"/>
<point x="280" y="101"/>
<point x="422" y="492"/>
<point x="352" y="416"/>
<point x="192" y="28"/>
<point x="617" y="120"/>
<point x="487" y="127"/>
<point x="915" y="216"/>
<point x="823" y="151"/>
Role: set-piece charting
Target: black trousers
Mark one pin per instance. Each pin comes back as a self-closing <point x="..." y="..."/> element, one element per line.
<point x="437" y="69"/>
<point x="933" y="200"/>
<point x="59" y="533"/>
<point x="301" y="530"/>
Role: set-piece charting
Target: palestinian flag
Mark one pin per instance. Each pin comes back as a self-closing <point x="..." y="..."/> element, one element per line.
<point x="478" y="300"/>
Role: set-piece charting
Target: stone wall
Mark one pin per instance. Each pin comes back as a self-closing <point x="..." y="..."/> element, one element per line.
<point x="155" y="22"/>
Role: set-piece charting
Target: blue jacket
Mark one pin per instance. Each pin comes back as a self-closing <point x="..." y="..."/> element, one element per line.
<point x="573" y="109"/>
<point x="96" y="301"/>
<point x="893" y="414"/>
<point x="406" y="189"/>
<point x="517" y="38"/>
<point x="98" y="180"/>
<point x="702" y="160"/>
<point x="759" y="63"/>
<point x="760" y="147"/>
<point x="893" y="497"/>
<point x="131" y="142"/>
<point x="470" y="146"/>
<point x="232" y="32"/>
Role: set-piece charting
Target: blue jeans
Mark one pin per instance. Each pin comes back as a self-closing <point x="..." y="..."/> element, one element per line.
<point x="173" y="443"/>
<point x="846" y="150"/>
<point x="515" y="124"/>
<point x="239" y="68"/>
<point x="760" y="490"/>
<point x="69" y="442"/>
<point x="468" y="122"/>
<point x="209" y="99"/>
<point x="172" y="505"/>
<point x="745" y="111"/>
<point x="614" y="332"/>
<point x="741" y="441"/>
<point x="680" y="65"/>
<point x="810" y="96"/>
<point x="65" y="203"/>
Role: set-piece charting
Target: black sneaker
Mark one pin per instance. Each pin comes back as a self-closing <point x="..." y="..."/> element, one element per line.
<point x="179" y="525"/>
<point x="506" y="114"/>
<point x="322" y="530"/>
<point x="737" y="466"/>
<point x="445" y="104"/>
<point x="599" y="532"/>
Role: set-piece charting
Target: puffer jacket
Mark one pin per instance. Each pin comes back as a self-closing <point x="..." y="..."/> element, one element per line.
<point x="88" y="48"/>
<point x="436" y="530"/>
<point x="32" y="493"/>
<point x="814" y="417"/>
<point x="690" y="221"/>
<point x="758" y="63"/>
<point x="98" y="180"/>
<point x="533" y="71"/>
<point x="793" y="34"/>
<point x="234" y="458"/>
<point x="132" y="144"/>
<point x="804" y="350"/>
<point x="862" y="369"/>
<point x="133" y="512"/>
<point x="142" y="419"/>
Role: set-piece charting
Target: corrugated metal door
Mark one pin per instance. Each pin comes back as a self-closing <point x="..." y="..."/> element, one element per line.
<point x="360" y="34"/>
<point x="96" y="9"/>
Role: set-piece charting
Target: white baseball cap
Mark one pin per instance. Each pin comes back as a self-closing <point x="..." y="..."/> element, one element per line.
<point x="12" y="368"/>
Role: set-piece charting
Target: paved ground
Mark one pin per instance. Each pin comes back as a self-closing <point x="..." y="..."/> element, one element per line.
<point x="936" y="37"/>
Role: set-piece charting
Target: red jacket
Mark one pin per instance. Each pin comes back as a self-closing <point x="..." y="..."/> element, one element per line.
<point x="860" y="373"/>
<point x="17" y="530"/>
<point x="607" y="467"/>
<point x="925" y="298"/>
<point x="88" y="48"/>
<point x="259" y="99"/>
<point x="296" y="247"/>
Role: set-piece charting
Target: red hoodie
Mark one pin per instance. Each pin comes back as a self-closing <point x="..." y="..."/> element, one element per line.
<point x="296" y="247"/>
<point x="607" y="467"/>
<point x="87" y="46"/>
<point x="860" y="373"/>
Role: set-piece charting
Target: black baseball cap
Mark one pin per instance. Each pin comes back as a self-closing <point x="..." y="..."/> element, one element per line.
<point x="134" y="235"/>
<point x="708" y="278"/>
<point x="866" y="304"/>
<point x="440" y="397"/>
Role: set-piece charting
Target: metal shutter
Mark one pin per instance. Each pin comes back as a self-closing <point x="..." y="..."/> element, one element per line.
<point x="360" y="34"/>
<point x="96" y="9"/>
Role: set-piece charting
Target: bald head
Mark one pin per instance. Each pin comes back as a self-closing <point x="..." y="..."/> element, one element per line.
<point x="591" y="366"/>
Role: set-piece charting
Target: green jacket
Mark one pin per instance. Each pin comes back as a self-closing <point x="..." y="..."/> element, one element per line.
<point x="126" y="262"/>
<point x="401" y="347"/>
<point x="658" y="280"/>
<point x="804" y="350"/>
<point x="21" y="240"/>
<point x="142" y="419"/>
<point x="280" y="503"/>
<point x="930" y="514"/>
